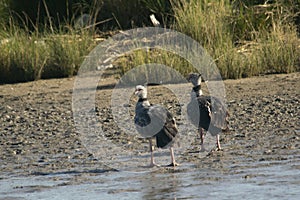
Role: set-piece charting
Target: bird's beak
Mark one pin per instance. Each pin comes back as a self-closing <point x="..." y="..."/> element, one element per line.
<point x="136" y="92"/>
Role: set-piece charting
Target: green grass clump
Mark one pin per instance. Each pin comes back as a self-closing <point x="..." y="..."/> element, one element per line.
<point x="30" y="51"/>
<point x="245" y="38"/>
<point x="143" y="57"/>
<point x="28" y="56"/>
<point x="244" y="41"/>
<point x="279" y="52"/>
<point x="22" y="55"/>
<point x="67" y="52"/>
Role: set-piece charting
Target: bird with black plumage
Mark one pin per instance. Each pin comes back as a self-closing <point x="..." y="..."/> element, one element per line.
<point x="206" y="112"/>
<point x="155" y="121"/>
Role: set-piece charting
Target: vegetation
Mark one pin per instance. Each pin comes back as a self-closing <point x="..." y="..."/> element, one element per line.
<point x="27" y="56"/>
<point x="245" y="38"/>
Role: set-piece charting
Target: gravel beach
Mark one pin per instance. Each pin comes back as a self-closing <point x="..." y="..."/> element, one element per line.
<point x="38" y="136"/>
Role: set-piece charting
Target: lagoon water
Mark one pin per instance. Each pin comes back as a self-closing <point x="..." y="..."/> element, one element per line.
<point x="260" y="180"/>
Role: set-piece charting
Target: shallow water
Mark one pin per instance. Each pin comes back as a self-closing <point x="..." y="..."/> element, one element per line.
<point x="260" y="180"/>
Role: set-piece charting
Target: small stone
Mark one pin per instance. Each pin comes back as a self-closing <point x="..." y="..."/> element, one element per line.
<point x="247" y="176"/>
<point x="268" y="151"/>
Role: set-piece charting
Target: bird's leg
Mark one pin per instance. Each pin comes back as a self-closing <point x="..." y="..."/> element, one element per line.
<point x="218" y="143"/>
<point x="152" y="163"/>
<point x="201" y="139"/>
<point x="173" y="162"/>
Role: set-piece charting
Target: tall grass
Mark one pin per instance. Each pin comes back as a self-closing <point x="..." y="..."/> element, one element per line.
<point x="245" y="41"/>
<point x="244" y="38"/>
<point x="153" y="57"/>
<point x="30" y="55"/>
<point x="208" y="23"/>
<point x="67" y="52"/>
<point x="4" y="14"/>
<point x="21" y="58"/>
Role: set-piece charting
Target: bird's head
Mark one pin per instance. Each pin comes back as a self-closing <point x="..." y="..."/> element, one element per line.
<point x="194" y="78"/>
<point x="141" y="91"/>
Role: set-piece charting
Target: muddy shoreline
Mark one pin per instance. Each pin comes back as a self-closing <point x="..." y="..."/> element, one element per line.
<point x="38" y="137"/>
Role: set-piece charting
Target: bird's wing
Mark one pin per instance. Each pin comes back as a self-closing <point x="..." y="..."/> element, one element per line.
<point x="142" y="117"/>
<point x="166" y="136"/>
<point x="199" y="112"/>
<point x="158" y="115"/>
<point x="193" y="112"/>
<point x="150" y="120"/>
<point x="143" y="123"/>
<point x="219" y="113"/>
<point x="170" y="126"/>
<point x="163" y="118"/>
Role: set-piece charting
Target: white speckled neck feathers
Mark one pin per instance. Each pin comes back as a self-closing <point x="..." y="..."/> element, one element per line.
<point x="141" y="92"/>
<point x="195" y="79"/>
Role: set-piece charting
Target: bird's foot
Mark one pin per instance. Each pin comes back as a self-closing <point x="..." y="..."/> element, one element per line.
<point x="217" y="149"/>
<point x="202" y="148"/>
<point x="173" y="164"/>
<point x="152" y="164"/>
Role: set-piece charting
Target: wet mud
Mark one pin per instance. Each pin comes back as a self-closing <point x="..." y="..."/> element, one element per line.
<point x="42" y="152"/>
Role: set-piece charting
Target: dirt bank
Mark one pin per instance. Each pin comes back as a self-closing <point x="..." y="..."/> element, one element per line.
<point x="37" y="133"/>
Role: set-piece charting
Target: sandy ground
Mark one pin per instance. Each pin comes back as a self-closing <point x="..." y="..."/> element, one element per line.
<point x="38" y="136"/>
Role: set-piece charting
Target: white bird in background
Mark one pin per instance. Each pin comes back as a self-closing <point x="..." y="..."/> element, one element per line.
<point x="155" y="121"/>
<point x="206" y="112"/>
<point x="154" y="21"/>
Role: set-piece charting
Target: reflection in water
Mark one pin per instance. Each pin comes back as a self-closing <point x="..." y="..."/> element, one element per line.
<point x="251" y="180"/>
<point x="161" y="184"/>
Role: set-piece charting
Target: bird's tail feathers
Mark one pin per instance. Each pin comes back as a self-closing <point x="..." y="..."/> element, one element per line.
<point x="166" y="136"/>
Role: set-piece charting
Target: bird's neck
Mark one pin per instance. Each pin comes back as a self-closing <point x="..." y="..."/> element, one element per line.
<point x="197" y="90"/>
<point x="143" y="101"/>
